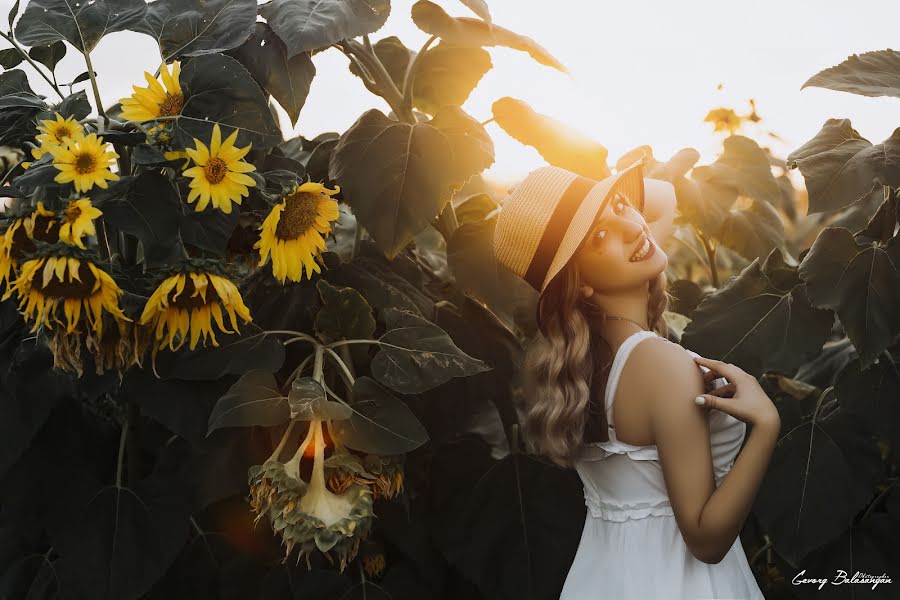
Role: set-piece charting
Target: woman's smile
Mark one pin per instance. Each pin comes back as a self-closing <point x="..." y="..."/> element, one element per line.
<point x="645" y="251"/>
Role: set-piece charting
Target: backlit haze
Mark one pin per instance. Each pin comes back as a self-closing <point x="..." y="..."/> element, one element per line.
<point x="641" y="72"/>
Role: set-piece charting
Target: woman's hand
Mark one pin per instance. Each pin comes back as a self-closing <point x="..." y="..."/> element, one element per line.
<point x="742" y="397"/>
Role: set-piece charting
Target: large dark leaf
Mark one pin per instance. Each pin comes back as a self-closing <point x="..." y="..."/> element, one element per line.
<point x="874" y="395"/>
<point x="416" y="355"/>
<point x="195" y="27"/>
<point x="151" y="211"/>
<point x="869" y="74"/>
<point x="380" y="423"/>
<point x="760" y="320"/>
<point x="398" y="177"/>
<point x="209" y="229"/>
<point x="287" y="79"/>
<point x="511" y="526"/>
<point x="447" y="74"/>
<point x="559" y="144"/>
<point x="122" y="539"/>
<point x="820" y="476"/>
<point x="753" y="232"/>
<point x="393" y="55"/>
<point x="81" y="23"/>
<point x="381" y="287"/>
<point x="254" y="399"/>
<point x="743" y="166"/>
<point x="32" y="389"/>
<point x="465" y="31"/>
<point x="20" y="107"/>
<point x="306" y="25"/>
<point x="218" y="89"/>
<point x="860" y="281"/>
<point x="345" y="314"/>
<point x="841" y="167"/>
<point x="236" y="354"/>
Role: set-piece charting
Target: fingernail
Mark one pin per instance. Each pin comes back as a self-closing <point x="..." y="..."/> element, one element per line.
<point x="699" y="400"/>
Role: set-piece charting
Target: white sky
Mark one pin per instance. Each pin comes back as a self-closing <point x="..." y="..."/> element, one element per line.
<point x="642" y="72"/>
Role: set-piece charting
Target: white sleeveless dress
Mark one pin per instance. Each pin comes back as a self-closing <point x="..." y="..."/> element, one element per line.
<point x="631" y="547"/>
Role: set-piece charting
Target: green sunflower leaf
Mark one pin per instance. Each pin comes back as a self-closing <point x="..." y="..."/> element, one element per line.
<point x="417" y="355"/>
<point x="306" y="25"/>
<point x="465" y="31"/>
<point x="81" y="23"/>
<point x="868" y="74"/>
<point x="254" y="399"/>
<point x="195" y="27"/>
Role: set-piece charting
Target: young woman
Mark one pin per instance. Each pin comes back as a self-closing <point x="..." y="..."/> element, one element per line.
<point x="653" y="430"/>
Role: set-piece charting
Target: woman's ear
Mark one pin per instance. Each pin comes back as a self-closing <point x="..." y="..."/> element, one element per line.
<point x="587" y="291"/>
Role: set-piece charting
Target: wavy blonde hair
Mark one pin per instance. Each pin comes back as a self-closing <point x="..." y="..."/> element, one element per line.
<point x="565" y="361"/>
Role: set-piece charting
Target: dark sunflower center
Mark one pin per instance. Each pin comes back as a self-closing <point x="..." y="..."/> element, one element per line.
<point x="21" y="243"/>
<point x="171" y="105"/>
<point x="186" y="298"/>
<point x="70" y="288"/>
<point x="72" y="213"/>
<point x="215" y="170"/>
<point x="62" y="133"/>
<point x="85" y="163"/>
<point x="298" y="216"/>
<point x="46" y="229"/>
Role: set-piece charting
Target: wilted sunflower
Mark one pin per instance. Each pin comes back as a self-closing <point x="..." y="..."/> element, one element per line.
<point x="55" y="132"/>
<point x="66" y="275"/>
<point x="186" y="302"/>
<point x="220" y="173"/>
<point x="724" y="119"/>
<point x="307" y="514"/>
<point x="155" y="100"/>
<point x="295" y="231"/>
<point x="78" y="221"/>
<point x="84" y="161"/>
<point x="18" y="238"/>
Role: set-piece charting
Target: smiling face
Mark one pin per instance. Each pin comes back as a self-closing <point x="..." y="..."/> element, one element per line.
<point x="606" y="257"/>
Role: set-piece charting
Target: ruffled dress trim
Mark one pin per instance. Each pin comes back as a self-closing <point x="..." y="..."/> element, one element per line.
<point x="620" y="513"/>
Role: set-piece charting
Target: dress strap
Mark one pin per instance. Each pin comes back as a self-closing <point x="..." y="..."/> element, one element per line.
<point x="615" y="371"/>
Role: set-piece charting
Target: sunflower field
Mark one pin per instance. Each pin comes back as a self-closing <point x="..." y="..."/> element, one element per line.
<point x="234" y="365"/>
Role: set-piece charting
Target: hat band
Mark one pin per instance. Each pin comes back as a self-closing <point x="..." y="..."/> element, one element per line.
<point x="555" y="230"/>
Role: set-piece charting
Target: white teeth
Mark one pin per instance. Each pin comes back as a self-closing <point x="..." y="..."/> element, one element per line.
<point x="642" y="251"/>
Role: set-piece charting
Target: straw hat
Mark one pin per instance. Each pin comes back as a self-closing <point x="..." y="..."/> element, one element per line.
<point x="543" y="221"/>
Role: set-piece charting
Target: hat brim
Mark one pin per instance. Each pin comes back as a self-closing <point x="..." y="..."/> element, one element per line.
<point x="629" y="181"/>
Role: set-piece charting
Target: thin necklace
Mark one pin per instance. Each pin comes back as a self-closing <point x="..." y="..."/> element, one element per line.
<point x="626" y="319"/>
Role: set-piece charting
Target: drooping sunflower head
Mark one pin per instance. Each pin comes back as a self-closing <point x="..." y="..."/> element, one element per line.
<point x="78" y="221"/>
<point x="220" y="173"/>
<point x="195" y="293"/>
<point x="307" y="515"/>
<point x="295" y="231"/>
<point x="157" y="99"/>
<point x="17" y="240"/>
<point x="85" y="162"/>
<point x="63" y="276"/>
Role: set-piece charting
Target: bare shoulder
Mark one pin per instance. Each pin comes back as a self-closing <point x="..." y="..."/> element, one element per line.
<point x="670" y="371"/>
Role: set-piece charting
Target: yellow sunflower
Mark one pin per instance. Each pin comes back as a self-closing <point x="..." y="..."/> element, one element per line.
<point x="18" y="238"/>
<point x="295" y="231"/>
<point x="724" y="119"/>
<point x="55" y="132"/>
<point x="72" y="280"/>
<point x="85" y="162"/>
<point x="220" y="172"/>
<point x="78" y="221"/>
<point x="157" y="99"/>
<point x="185" y="303"/>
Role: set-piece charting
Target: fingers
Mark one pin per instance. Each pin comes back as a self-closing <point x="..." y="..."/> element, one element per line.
<point x="724" y="391"/>
<point x="729" y="370"/>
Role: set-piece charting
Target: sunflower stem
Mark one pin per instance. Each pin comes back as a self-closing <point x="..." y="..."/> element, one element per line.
<point x="319" y="364"/>
<point x="121" y="459"/>
<point x="347" y="360"/>
<point x="347" y="373"/>
<point x="284" y="438"/>
<point x="391" y="94"/>
<point x="710" y="257"/>
<point x="296" y="372"/>
<point x="97" y="99"/>
<point x="9" y="172"/>
<point x="410" y="76"/>
<point x="292" y="467"/>
<point x="9" y="38"/>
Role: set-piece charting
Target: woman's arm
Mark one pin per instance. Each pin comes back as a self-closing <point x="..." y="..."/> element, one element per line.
<point x="659" y="208"/>
<point x="709" y="518"/>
